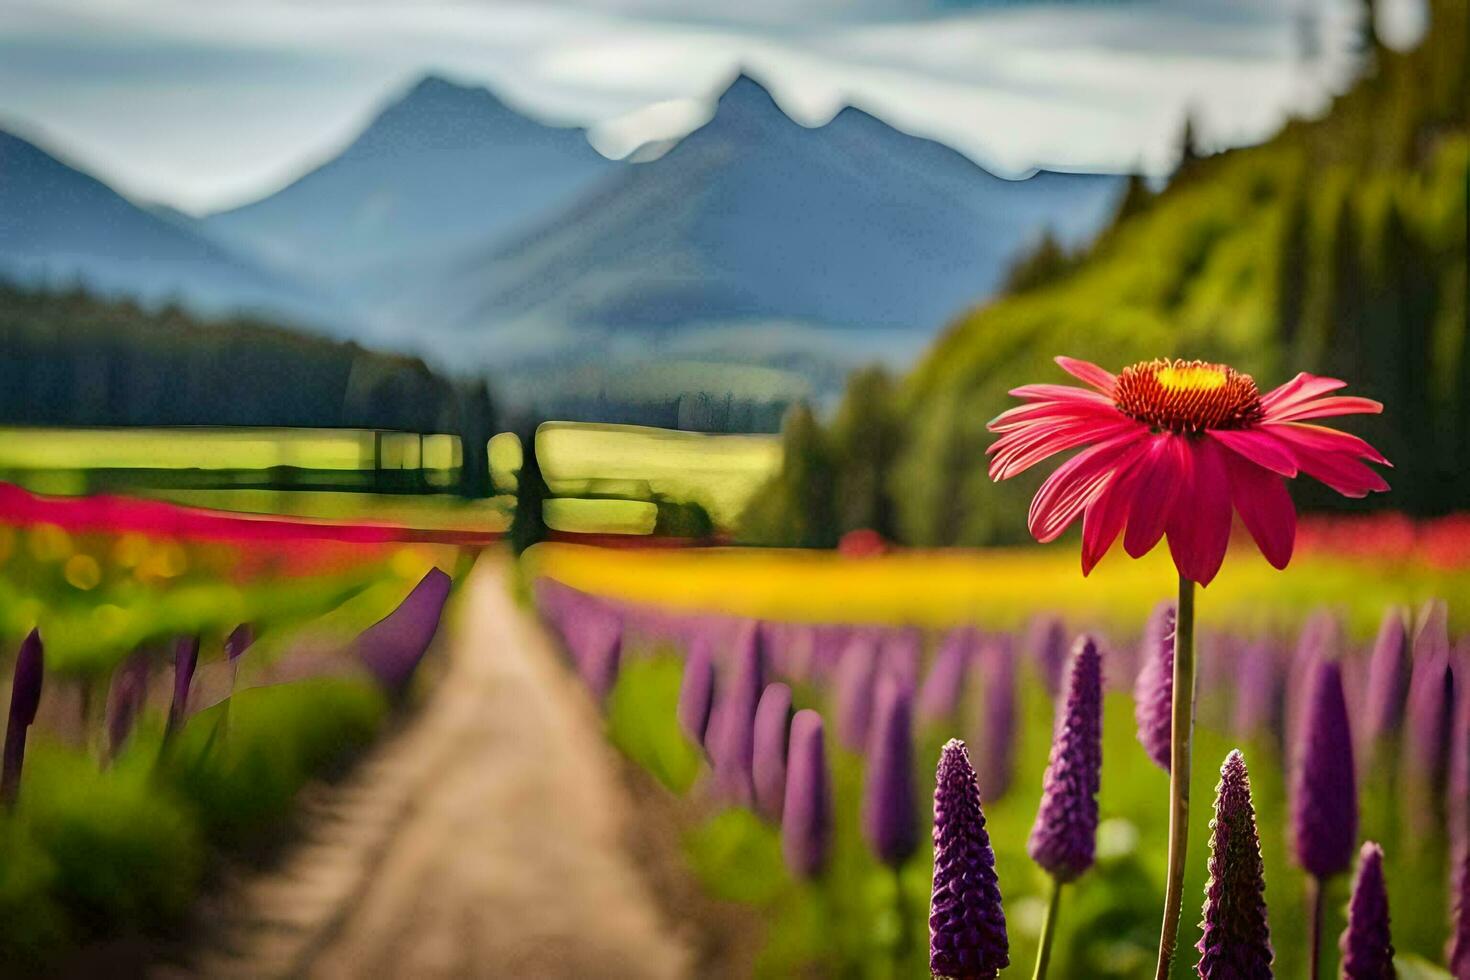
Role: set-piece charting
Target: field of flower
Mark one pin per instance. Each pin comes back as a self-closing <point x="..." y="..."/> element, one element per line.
<point x="171" y="694"/>
<point x="701" y="659"/>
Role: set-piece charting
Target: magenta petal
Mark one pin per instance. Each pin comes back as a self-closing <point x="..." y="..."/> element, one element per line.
<point x="1032" y="413"/>
<point x="1301" y="388"/>
<point x="1265" y="507"/>
<point x="1259" y="447"/>
<point x="1060" y="393"/>
<point x="1338" y="470"/>
<point x="1103" y="381"/>
<point x="1323" y="439"/>
<point x="1068" y="491"/>
<point x="1106" y="515"/>
<point x="1199" y="524"/>
<point x="1322" y="408"/>
<point x="1161" y="474"/>
<point x="1021" y="452"/>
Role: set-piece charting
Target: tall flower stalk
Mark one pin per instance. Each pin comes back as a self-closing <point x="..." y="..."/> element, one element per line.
<point x="1235" y="939"/>
<point x="1176" y="448"/>
<point x="1366" y="944"/>
<point x="967" y="924"/>
<point x="25" y="701"/>
<point x="1324" y="799"/>
<point x="1064" y="838"/>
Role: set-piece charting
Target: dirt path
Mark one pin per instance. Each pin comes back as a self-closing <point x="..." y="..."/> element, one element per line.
<point x="487" y="839"/>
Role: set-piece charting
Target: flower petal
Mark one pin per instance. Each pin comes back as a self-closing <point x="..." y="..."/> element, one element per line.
<point x="1301" y="388"/>
<point x="1265" y="508"/>
<point x="1033" y="413"/>
<point x="1259" y="447"/>
<point x="1160" y="477"/>
<point x="1327" y="440"/>
<point x="1059" y="393"/>
<point x="1334" y="467"/>
<point x="1068" y="491"/>
<point x="1103" y="381"/>
<point x="1017" y="452"/>
<point x="1199" y="525"/>
<point x="1322" y="408"/>
<point x="1105" y="516"/>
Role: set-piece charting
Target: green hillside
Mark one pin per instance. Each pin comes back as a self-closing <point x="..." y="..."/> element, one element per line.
<point x="1336" y="247"/>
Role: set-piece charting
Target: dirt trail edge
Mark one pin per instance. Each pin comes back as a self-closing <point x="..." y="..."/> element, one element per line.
<point x="485" y="839"/>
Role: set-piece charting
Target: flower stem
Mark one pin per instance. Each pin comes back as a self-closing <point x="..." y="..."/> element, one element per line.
<point x="1181" y="736"/>
<point x="1048" y="930"/>
<point x="905" y="934"/>
<point x="1314" y="949"/>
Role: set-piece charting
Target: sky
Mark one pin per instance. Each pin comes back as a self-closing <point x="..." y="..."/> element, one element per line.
<point x="204" y="104"/>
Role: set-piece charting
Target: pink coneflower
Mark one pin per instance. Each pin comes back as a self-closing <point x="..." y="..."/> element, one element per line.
<point x="1172" y="447"/>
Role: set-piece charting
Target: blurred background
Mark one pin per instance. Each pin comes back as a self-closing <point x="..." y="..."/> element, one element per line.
<point x="302" y="300"/>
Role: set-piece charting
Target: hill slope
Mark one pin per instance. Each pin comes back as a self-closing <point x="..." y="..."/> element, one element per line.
<point x="754" y="219"/>
<point x="59" y="225"/>
<point x="1339" y="246"/>
<point x="443" y="167"/>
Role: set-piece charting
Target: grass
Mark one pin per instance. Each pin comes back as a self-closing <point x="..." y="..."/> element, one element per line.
<point x="720" y="472"/>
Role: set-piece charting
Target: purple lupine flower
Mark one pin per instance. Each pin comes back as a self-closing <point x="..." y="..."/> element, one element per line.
<point x="125" y="701"/>
<point x="600" y="661"/>
<point x="1236" y="941"/>
<point x="853" y="694"/>
<point x="1324" y="798"/>
<point x="1320" y="639"/>
<point x="806" y="815"/>
<point x="1257" y="690"/>
<point x="940" y="695"/>
<point x="697" y="693"/>
<point x="1457" y="950"/>
<point x="768" y="759"/>
<point x="1065" y="833"/>
<point x="1431" y="701"/>
<point x="889" y="820"/>
<point x="1046" y="642"/>
<point x="240" y="639"/>
<point x="25" y="701"/>
<point x="998" y="720"/>
<point x="1367" y="947"/>
<point x="1153" y="694"/>
<point x="903" y="649"/>
<point x="1388" y="677"/>
<point x="186" y="661"/>
<point x="967" y="923"/>
<point x="734" y="745"/>
<point x="392" y="647"/>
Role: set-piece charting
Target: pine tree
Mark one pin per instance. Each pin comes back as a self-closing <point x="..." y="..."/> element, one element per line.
<point x="866" y="436"/>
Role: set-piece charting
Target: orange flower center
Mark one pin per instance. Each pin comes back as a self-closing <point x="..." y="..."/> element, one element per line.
<point x="1187" y="396"/>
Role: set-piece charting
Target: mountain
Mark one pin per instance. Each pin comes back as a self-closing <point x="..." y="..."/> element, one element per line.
<point x="60" y="226"/>
<point x="870" y="235"/>
<point x="444" y="167"/>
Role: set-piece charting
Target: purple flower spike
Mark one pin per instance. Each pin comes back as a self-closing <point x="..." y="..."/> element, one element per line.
<point x="240" y="639"/>
<point x="1388" y="677"/>
<point x="853" y="698"/>
<point x="998" y="722"/>
<point x="1431" y="701"/>
<point x="1324" y="798"/>
<point x="25" y="701"/>
<point x="806" y="815"/>
<point x="1065" y="833"/>
<point x="967" y="924"/>
<point x="734" y="747"/>
<point x="768" y="762"/>
<point x="129" y="686"/>
<point x="1153" y="694"/>
<point x="392" y="647"/>
<point x="1257" y="690"/>
<point x="1367" y="948"/>
<point x="890" y="823"/>
<point x="697" y="693"/>
<point x="1047" y="644"/>
<point x="186" y="660"/>
<point x="1236" y="942"/>
<point x="1457" y="951"/>
<point x="940" y="695"/>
